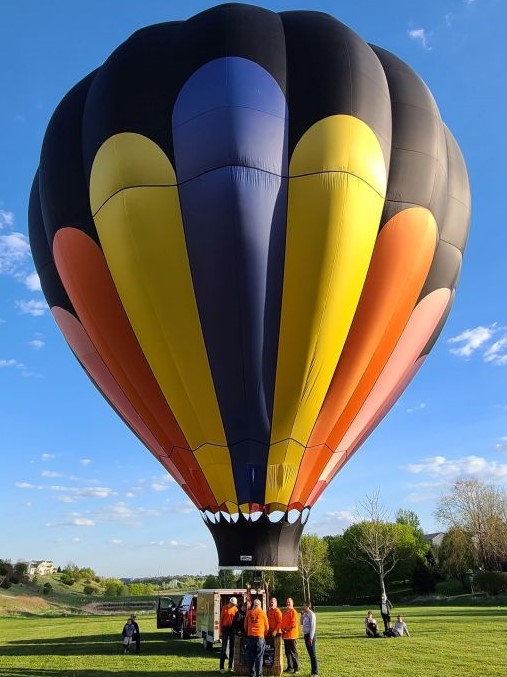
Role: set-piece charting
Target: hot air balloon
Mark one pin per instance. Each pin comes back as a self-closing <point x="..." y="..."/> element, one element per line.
<point x="249" y="227"/>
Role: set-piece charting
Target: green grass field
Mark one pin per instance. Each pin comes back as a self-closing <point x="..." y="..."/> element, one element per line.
<point x="462" y="641"/>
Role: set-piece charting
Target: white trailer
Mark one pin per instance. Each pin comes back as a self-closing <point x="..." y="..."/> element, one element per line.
<point x="209" y="608"/>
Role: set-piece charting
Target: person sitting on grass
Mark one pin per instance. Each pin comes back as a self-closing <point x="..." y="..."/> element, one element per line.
<point x="400" y="628"/>
<point x="370" y="625"/>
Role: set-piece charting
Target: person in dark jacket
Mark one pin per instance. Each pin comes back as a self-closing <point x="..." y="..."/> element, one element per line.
<point x="239" y="619"/>
<point x="137" y="635"/>
<point x="128" y="635"/>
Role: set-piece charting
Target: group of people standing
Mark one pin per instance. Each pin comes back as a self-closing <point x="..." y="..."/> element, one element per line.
<point x="397" y="630"/>
<point x="257" y="626"/>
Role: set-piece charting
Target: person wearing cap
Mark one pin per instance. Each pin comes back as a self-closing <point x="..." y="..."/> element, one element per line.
<point x="256" y="627"/>
<point x="290" y="633"/>
<point x="274" y="618"/>
<point x="227" y="617"/>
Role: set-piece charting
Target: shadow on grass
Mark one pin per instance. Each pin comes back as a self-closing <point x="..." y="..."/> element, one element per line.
<point x="152" y="644"/>
<point x="37" y="672"/>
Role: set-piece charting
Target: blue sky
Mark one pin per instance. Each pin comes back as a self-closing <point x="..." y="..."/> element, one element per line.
<point x="75" y="484"/>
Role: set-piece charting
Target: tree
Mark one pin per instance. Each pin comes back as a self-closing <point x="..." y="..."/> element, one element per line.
<point x="457" y="555"/>
<point x="314" y="566"/>
<point x="113" y="587"/>
<point x="211" y="582"/>
<point x="408" y="517"/>
<point x="21" y="570"/>
<point x="481" y="511"/>
<point x="86" y="573"/>
<point x="380" y="543"/>
<point x="227" y="579"/>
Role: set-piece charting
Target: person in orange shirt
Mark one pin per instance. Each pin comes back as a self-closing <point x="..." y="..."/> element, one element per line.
<point x="256" y="627"/>
<point x="274" y="618"/>
<point x="290" y="633"/>
<point x="227" y="617"/>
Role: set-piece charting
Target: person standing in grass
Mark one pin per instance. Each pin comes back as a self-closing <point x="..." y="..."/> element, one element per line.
<point x="137" y="634"/>
<point x="256" y="628"/>
<point x="128" y="635"/>
<point x="385" y="611"/>
<point x="227" y="616"/>
<point x="274" y="618"/>
<point x="310" y="634"/>
<point x="290" y="633"/>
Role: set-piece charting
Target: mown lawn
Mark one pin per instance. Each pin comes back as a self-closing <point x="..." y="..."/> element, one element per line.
<point x="462" y="641"/>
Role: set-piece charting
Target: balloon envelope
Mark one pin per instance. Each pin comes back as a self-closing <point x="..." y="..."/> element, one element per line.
<point x="249" y="227"/>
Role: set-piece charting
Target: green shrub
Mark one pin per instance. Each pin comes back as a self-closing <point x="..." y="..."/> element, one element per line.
<point x="450" y="587"/>
<point x="492" y="582"/>
<point x="5" y="584"/>
<point x="47" y="588"/>
<point x="67" y="579"/>
<point x="88" y="589"/>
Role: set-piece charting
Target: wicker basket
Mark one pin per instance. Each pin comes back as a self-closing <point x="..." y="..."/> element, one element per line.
<point x="273" y="656"/>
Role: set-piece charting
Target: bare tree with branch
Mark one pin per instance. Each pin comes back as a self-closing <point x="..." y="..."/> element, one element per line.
<point x="378" y="541"/>
<point x="481" y="511"/>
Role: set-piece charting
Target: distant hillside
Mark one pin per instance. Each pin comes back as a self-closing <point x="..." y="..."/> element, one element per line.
<point x="29" y="598"/>
<point x="24" y="599"/>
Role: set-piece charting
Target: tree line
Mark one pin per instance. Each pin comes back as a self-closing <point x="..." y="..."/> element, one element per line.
<point x="375" y="554"/>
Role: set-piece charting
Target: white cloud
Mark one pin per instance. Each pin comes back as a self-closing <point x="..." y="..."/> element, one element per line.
<point x="6" y="219"/>
<point x="51" y="473"/>
<point x="420" y="35"/>
<point x="32" y="307"/>
<point x="480" y="339"/>
<point x="177" y="544"/>
<point x="334" y="521"/>
<point x="418" y="407"/>
<point x="119" y="512"/>
<point x="453" y="469"/>
<point x="48" y="457"/>
<point x="84" y="492"/>
<point x="471" y="340"/>
<point x="11" y="363"/>
<point x="32" y="281"/>
<point x="85" y="461"/>
<point x="82" y="522"/>
<point x="36" y="343"/>
<point x="501" y="445"/>
<point x="161" y="482"/>
<point x="14" y="252"/>
<point x="25" y="485"/>
<point x="497" y="352"/>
